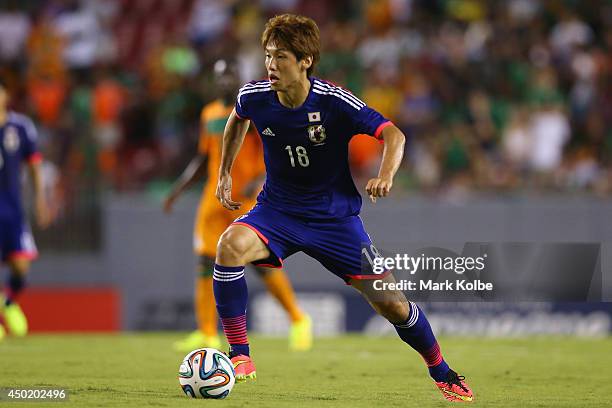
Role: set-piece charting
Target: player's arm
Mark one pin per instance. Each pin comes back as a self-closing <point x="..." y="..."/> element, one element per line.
<point x="393" y="152"/>
<point x="195" y="170"/>
<point x="40" y="203"/>
<point x="233" y="136"/>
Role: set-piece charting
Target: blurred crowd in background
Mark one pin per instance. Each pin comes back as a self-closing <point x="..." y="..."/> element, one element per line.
<point x="493" y="95"/>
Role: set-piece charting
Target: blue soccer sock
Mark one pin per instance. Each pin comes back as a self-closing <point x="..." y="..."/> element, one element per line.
<point x="417" y="332"/>
<point x="14" y="286"/>
<point x="231" y="295"/>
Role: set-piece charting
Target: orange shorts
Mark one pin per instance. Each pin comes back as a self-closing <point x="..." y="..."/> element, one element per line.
<point x="210" y="223"/>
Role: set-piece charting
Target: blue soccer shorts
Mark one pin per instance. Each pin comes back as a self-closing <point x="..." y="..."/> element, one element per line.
<point x="342" y="246"/>
<point x="16" y="240"/>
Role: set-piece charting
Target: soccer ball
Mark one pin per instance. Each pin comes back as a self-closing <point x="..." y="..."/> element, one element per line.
<point x="206" y="373"/>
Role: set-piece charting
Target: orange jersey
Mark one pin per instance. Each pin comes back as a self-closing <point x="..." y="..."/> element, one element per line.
<point x="248" y="166"/>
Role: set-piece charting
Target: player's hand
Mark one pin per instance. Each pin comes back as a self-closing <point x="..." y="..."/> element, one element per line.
<point x="378" y="187"/>
<point x="224" y="193"/>
<point x="43" y="217"/>
<point x="169" y="202"/>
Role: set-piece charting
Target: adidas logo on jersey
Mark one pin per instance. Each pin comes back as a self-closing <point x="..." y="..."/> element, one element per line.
<point x="268" y="132"/>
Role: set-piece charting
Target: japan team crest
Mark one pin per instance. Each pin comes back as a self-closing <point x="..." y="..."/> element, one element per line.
<point x="316" y="134"/>
<point x="11" y="140"/>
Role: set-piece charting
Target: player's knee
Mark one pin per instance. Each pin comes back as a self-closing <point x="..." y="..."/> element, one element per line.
<point x="393" y="311"/>
<point x="206" y="266"/>
<point x="233" y="247"/>
<point x="19" y="267"/>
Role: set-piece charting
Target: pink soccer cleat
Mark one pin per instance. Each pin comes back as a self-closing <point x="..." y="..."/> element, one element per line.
<point x="244" y="368"/>
<point x="455" y="388"/>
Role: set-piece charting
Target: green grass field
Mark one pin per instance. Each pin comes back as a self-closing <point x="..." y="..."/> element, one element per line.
<point x="137" y="370"/>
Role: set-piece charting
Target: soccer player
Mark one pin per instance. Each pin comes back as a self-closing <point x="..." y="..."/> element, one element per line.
<point x="17" y="248"/>
<point x="212" y="219"/>
<point x="309" y="202"/>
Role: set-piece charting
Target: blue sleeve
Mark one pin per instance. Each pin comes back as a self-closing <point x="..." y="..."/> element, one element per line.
<point x="367" y="121"/>
<point x="242" y="103"/>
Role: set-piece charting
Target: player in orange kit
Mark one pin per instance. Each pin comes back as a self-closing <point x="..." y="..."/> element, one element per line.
<point x="212" y="219"/>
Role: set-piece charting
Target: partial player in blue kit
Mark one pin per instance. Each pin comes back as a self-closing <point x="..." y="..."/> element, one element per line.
<point x="17" y="248"/>
<point x="309" y="202"/>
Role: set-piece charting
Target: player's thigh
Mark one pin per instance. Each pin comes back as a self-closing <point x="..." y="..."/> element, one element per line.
<point x="240" y="244"/>
<point x="282" y="234"/>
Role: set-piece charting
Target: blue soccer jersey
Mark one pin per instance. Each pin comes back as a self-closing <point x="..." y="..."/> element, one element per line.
<point x="17" y="144"/>
<point x="306" y="149"/>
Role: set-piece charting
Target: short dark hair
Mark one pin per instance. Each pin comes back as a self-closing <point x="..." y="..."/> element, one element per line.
<point x="298" y="34"/>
